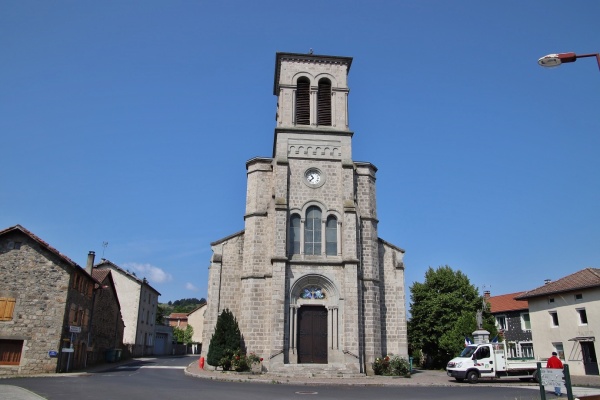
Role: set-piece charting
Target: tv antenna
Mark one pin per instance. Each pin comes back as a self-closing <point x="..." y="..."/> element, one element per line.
<point x="104" y="246"/>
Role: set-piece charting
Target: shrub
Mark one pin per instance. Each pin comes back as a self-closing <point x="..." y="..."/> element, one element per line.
<point x="391" y="366"/>
<point x="225" y="341"/>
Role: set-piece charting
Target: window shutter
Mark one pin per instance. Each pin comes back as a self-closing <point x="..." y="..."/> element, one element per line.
<point x="303" y="102"/>
<point x="10" y="352"/>
<point x="7" y="306"/>
<point x="324" y="103"/>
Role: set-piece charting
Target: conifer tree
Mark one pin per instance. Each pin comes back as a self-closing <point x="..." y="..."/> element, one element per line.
<point x="225" y="341"/>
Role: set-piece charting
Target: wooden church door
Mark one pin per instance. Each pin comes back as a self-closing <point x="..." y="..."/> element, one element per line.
<point x="312" y="335"/>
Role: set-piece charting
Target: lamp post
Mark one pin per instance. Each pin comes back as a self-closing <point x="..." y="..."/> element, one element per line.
<point x="554" y="60"/>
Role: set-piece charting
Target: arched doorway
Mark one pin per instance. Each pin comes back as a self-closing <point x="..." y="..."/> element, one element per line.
<point x="312" y="335"/>
<point x="314" y="320"/>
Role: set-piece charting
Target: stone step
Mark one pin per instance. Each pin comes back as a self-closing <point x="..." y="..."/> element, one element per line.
<point x="325" y="371"/>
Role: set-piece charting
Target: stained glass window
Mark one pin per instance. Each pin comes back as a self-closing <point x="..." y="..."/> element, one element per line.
<point x="312" y="292"/>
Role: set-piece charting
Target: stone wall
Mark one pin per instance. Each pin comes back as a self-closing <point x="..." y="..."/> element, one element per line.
<point x="40" y="281"/>
<point x="107" y="325"/>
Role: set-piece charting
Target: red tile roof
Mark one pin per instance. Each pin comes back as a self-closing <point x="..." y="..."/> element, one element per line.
<point x="584" y="279"/>
<point x="178" y="316"/>
<point x="100" y="274"/>
<point x="507" y="302"/>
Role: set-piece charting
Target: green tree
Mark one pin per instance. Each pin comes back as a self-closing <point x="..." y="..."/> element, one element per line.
<point x="226" y="340"/>
<point x="443" y="310"/>
<point x="183" y="335"/>
<point x="161" y="313"/>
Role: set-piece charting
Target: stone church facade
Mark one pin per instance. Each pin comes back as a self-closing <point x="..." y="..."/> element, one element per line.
<point x="308" y="279"/>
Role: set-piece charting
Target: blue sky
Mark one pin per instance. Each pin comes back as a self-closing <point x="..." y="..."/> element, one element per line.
<point x="130" y="122"/>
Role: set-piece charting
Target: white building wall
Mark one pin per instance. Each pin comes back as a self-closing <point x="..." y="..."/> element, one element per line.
<point x="546" y="336"/>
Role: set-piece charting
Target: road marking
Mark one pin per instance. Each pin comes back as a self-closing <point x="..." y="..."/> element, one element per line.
<point x="129" y="367"/>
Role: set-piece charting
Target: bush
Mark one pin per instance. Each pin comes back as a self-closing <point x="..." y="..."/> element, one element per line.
<point x="225" y="341"/>
<point x="391" y="366"/>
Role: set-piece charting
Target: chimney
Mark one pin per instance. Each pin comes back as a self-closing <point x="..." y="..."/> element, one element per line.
<point x="487" y="294"/>
<point x="90" y="262"/>
<point x="547" y="281"/>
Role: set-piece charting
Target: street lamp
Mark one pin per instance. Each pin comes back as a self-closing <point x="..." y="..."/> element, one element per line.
<point x="554" y="60"/>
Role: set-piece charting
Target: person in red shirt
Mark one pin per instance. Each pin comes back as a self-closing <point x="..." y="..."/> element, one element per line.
<point x="555" y="363"/>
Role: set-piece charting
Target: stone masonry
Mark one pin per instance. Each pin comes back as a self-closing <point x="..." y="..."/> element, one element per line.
<point x="270" y="278"/>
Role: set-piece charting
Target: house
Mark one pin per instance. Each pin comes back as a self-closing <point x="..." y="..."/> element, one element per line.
<point x="107" y="323"/>
<point x="177" y="320"/>
<point x="196" y="320"/>
<point x="309" y="280"/>
<point x="139" y="301"/>
<point x="47" y="304"/>
<point x="565" y="317"/>
<point x="513" y="323"/>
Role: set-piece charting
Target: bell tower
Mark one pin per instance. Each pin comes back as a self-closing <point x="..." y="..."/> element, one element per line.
<point x="312" y="91"/>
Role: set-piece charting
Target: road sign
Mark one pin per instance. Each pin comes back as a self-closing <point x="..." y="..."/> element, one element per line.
<point x="551" y="376"/>
<point x="74" y="329"/>
<point x="67" y="350"/>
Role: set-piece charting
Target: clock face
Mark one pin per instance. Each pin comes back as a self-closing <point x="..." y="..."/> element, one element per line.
<point x="313" y="176"/>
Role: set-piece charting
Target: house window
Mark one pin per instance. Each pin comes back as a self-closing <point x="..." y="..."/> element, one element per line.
<point x="10" y="352"/>
<point x="582" y="316"/>
<point x="558" y="347"/>
<point x="294" y="242"/>
<point x="331" y="236"/>
<point x="551" y="300"/>
<point x="312" y="231"/>
<point x="526" y="349"/>
<point x="501" y="322"/>
<point x="525" y="322"/>
<point x="72" y="314"/>
<point x="7" y="307"/>
<point x="86" y="319"/>
<point x="578" y="297"/>
<point x="324" y="103"/>
<point x="303" y="102"/>
<point x="14" y="245"/>
<point x="554" y="318"/>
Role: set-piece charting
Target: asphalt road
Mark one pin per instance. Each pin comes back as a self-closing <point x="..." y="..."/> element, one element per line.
<point x="164" y="378"/>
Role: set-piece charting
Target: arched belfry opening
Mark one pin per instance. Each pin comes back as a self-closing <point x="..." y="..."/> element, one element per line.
<point x="303" y="101"/>
<point x="324" y="103"/>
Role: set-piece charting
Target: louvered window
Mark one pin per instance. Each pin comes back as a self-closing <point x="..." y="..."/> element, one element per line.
<point x="324" y="103"/>
<point x="303" y="102"/>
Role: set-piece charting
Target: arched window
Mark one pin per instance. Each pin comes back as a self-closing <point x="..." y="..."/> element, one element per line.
<point x="331" y="236"/>
<point x="294" y="242"/>
<point x="312" y="231"/>
<point x="303" y="102"/>
<point x="324" y="103"/>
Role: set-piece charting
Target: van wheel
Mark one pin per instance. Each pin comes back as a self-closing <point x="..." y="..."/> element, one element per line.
<point x="472" y="376"/>
<point x="535" y="377"/>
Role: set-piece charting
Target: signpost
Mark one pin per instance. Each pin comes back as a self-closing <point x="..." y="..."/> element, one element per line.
<point x="555" y="377"/>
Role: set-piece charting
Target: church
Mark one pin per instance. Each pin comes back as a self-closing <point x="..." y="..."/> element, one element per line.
<point x="310" y="282"/>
